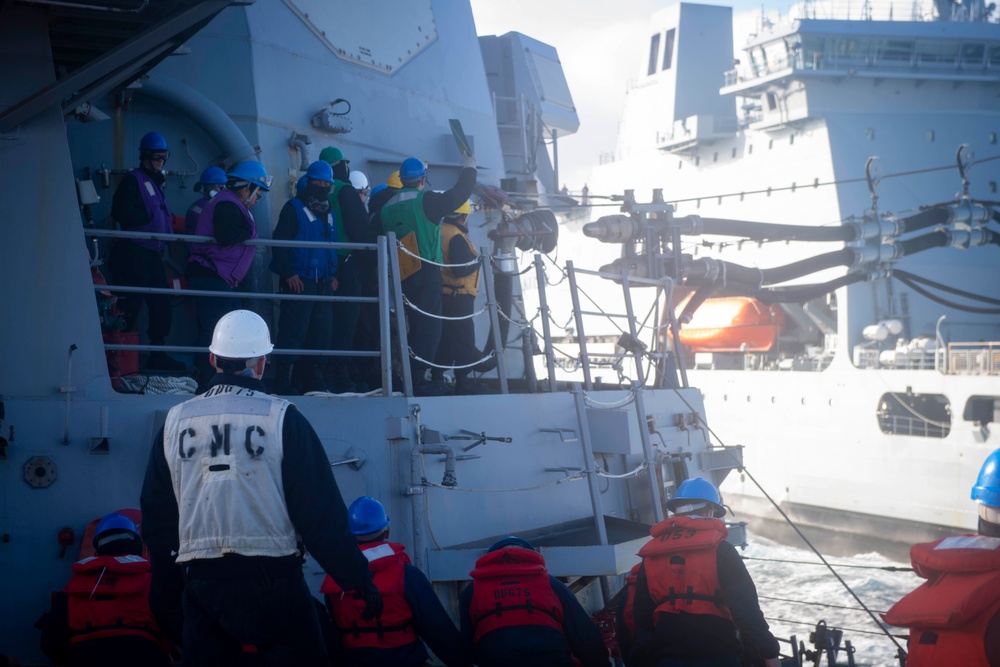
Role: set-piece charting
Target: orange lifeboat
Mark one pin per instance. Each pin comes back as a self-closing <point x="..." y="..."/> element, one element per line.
<point x="727" y="324"/>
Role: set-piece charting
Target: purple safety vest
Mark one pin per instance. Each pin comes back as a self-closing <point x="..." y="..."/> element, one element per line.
<point x="230" y="262"/>
<point x="155" y="202"/>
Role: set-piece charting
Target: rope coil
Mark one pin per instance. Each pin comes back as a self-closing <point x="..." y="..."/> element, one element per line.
<point x="156" y="384"/>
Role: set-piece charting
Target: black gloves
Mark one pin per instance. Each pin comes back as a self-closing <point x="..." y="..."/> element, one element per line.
<point x="373" y="601"/>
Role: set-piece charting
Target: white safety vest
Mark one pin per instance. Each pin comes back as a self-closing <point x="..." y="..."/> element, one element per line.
<point x="224" y="451"/>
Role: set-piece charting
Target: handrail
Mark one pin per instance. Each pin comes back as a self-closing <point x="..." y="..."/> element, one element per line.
<point x="193" y="238"/>
<point x="385" y="300"/>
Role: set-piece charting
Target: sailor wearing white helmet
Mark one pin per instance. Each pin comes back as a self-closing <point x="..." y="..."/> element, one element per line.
<point x="237" y="482"/>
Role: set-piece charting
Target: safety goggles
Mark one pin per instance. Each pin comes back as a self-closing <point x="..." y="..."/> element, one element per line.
<point x="158" y="157"/>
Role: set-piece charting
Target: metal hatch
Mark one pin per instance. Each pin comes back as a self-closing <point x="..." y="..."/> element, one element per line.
<point x="359" y="33"/>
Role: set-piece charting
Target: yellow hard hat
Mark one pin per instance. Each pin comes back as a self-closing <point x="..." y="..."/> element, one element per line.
<point x="394" y="181"/>
<point x="464" y="209"/>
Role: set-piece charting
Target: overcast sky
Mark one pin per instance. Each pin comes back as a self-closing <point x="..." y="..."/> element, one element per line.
<point x="601" y="45"/>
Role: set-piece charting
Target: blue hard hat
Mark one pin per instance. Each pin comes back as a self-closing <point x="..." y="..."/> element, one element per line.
<point x="211" y="176"/>
<point x="114" y="522"/>
<point x="366" y="516"/>
<point x="511" y="541"/>
<point x="379" y="188"/>
<point x="987" y="488"/>
<point x="320" y="171"/>
<point x="153" y="141"/>
<point x="412" y="168"/>
<point x="697" y="489"/>
<point x="252" y="172"/>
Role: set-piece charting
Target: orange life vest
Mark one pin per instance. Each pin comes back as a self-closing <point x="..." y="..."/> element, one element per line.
<point x="681" y="567"/>
<point x="452" y="284"/>
<point x="949" y="613"/>
<point x="627" y="616"/>
<point x="511" y="588"/>
<point x="108" y="596"/>
<point x="395" y="627"/>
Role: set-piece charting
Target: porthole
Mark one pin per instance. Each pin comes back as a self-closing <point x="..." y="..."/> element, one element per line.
<point x="919" y="415"/>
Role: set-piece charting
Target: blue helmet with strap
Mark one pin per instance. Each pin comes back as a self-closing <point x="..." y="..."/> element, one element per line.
<point x="511" y="541"/>
<point x="366" y="516"/>
<point x="153" y="141"/>
<point x="412" y="168"/>
<point x="986" y="490"/>
<point x="250" y="172"/>
<point x="320" y="171"/>
<point x="694" y="492"/>
<point x="114" y="523"/>
<point x="211" y="176"/>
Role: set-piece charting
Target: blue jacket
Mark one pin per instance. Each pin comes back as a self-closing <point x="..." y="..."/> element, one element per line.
<point x="295" y="223"/>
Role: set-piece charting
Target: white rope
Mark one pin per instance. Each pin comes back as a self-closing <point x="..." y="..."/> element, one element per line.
<point x="496" y="267"/>
<point x="610" y="406"/>
<point x="432" y="262"/>
<point x="516" y="324"/>
<point x="641" y="470"/>
<point x="452" y="368"/>
<point x="155" y="384"/>
<point x="562" y="480"/>
<point x="444" y="317"/>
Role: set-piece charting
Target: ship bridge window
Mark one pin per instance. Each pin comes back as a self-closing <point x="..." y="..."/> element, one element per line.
<point x="850" y="49"/>
<point x="757" y="60"/>
<point x="920" y="415"/>
<point x="812" y="52"/>
<point x="982" y="410"/>
<point x="668" y="49"/>
<point x="995" y="55"/>
<point x="937" y="52"/>
<point x="654" y="52"/>
<point x="973" y="54"/>
<point x="896" y="50"/>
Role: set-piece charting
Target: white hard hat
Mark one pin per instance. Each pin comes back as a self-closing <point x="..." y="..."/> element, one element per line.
<point x="359" y="180"/>
<point x="241" y="334"/>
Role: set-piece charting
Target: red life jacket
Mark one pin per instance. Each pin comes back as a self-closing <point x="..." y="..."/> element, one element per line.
<point x="108" y="596"/>
<point x="948" y="614"/>
<point x="395" y="627"/>
<point x="681" y="566"/>
<point x="511" y="588"/>
<point x="627" y="616"/>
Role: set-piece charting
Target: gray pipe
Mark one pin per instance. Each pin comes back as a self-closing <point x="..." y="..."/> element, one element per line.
<point x="203" y="111"/>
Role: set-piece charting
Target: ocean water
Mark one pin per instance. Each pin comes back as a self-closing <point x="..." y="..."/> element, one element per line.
<point x="803" y="588"/>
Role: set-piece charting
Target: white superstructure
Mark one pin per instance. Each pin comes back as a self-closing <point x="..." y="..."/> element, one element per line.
<point x="881" y="435"/>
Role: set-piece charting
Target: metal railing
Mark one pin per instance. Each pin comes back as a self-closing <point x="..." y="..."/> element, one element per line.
<point x="973" y="359"/>
<point x="388" y="301"/>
